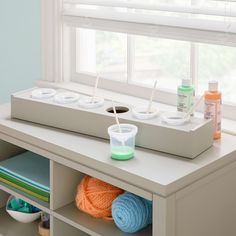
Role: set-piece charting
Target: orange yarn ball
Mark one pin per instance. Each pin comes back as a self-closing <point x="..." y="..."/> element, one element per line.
<point x="95" y="197"/>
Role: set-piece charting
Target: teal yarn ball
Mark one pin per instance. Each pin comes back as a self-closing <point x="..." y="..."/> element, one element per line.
<point x="131" y="213"/>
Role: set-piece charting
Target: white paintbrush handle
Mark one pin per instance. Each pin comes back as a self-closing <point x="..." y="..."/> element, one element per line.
<point x="151" y="97"/>
<point x="95" y="89"/>
<point x="117" y="121"/>
<point x="192" y="109"/>
<point x="116" y="117"/>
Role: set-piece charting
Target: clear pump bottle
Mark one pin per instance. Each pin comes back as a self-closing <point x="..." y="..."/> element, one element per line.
<point x="185" y="96"/>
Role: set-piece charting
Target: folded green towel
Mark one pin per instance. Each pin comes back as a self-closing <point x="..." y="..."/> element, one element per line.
<point x="24" y="185"/>
<point x="45" y="199"/>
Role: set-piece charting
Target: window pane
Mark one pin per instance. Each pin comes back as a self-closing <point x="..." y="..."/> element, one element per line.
<point x="218" y="63"/>
<point x="102" y="52"/>
<point x="150" y="59"/>
<point x="167" y="61"/>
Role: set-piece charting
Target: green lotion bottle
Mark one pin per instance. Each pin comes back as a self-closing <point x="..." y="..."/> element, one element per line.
<point x="185" y="96"/>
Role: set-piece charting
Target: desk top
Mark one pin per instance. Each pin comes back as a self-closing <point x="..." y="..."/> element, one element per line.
<point x="153" y="171"/>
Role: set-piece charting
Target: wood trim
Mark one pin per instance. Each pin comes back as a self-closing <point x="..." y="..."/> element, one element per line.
<point x="52" y="40"/>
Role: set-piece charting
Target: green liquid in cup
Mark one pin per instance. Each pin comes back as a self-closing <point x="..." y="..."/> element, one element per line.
<point x="122" y="153"/>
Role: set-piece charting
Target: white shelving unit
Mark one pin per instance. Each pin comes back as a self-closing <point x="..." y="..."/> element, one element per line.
<point x="190" y="197"/>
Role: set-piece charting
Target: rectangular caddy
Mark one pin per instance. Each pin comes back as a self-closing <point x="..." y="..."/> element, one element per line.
<point x="188" y="140"/>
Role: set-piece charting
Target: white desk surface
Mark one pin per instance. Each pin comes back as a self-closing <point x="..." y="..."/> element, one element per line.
<point x="153" y="171"/>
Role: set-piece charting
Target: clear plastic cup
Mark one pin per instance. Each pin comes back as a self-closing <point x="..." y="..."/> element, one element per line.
<point x="122" y="141"/>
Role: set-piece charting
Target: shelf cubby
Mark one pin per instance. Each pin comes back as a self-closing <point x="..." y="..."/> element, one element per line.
<point x="45" y="206"/>
<point x="60" y="228"/>
<point x="65" y="181"/>
<point x="10" y="227"/>
<point x="99" y="227"/>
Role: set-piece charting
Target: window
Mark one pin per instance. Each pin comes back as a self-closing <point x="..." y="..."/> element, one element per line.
<point x="131" y="44"/>
<point x="133" y="59"/>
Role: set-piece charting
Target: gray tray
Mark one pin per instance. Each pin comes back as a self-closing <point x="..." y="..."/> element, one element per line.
<point x="188" y="140"/>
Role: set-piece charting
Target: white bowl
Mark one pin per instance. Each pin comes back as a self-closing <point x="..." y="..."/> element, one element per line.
<point x="86" y="102"/>
<point x="20" y="216"/>
<point x="175" y="118"/>
<point x="66" y="98"/>
<point x="43" y="93"/>
<point x="142" y="114"/>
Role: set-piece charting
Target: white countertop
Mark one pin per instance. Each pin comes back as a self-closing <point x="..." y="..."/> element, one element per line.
<point x="153" y="171"/>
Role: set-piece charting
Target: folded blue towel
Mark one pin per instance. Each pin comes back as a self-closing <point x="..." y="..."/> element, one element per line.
<point x="131" y="213"/>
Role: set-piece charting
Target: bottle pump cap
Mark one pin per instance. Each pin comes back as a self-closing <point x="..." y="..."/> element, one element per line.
<point x="213" y="86"/>
<point x="186" y="82"/>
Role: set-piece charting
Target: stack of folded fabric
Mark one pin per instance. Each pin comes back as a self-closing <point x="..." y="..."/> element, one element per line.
<point x="29" y="173"/>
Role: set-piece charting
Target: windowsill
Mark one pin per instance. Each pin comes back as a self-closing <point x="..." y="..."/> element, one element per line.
<point x="228" y="126"/>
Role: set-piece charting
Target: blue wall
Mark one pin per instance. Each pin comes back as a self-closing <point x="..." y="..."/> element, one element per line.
<point x="19" y="45"/>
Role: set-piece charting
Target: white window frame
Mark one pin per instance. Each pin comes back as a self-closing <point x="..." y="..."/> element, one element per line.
<point x="58" y="61"/>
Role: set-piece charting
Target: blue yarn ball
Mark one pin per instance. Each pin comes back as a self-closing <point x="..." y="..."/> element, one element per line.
<point x="131" y="213"/>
